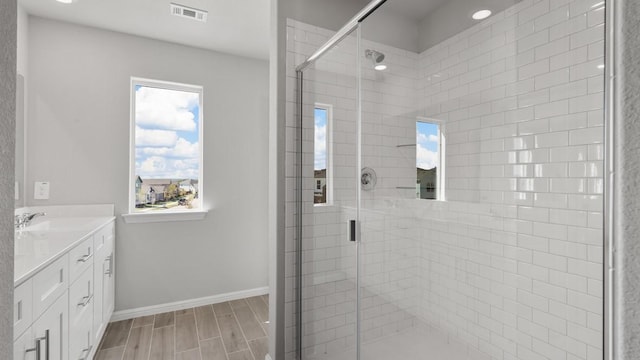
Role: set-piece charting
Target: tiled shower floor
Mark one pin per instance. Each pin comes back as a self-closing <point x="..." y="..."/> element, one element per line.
<point x="412" y="344"/>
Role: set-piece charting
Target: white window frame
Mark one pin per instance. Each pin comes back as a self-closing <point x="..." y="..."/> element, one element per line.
<point x="440" y="178"/>
<point x="167" y="215"/>
<point x="329" y="137"/>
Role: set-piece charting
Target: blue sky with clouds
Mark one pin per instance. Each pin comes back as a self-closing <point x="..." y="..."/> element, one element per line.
<point x="426" y="145"/>
<point x="167" y="131"/>
<point x="320" y="139"/>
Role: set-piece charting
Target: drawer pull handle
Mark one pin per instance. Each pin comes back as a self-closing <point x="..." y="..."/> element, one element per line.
<point x="37" y="348"/>
<point x="46" y="342"/>
<point x="85" y="300"/>
<point x="109" y="271"/>
<point x="84" y="258"/>
<point x="86" y="353"/>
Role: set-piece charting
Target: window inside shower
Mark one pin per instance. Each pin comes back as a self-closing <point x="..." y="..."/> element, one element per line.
<point x="322" y="153"/>
<point x="429" y="161"/>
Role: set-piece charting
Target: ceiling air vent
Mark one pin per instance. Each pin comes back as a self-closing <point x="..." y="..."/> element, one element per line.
<point x="187" y="12"/>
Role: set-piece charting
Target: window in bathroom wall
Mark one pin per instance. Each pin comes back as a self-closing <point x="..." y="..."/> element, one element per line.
<point x="322" y="154"/>
<point x="166" y="147"/>
<point x="429" y="161"/>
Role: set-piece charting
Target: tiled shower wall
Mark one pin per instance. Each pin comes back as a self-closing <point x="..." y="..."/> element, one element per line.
<point x="512" y="261"/>
<point x="510" y="265"/>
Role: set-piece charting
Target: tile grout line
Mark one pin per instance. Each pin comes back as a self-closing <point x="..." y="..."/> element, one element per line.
<point x="226" y="354"/>
<point x="126" y="342"/>
<point x="255" y="316"/>
<point x="195" y="319"/>
<point x="175" y="334"/>
<point x="244" y="336"/>
<point x="153" y="323"/>
<point x="151" y="339"/>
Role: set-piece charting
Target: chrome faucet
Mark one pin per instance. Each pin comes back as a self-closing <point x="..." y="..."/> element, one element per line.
<point x="23" y="220"/>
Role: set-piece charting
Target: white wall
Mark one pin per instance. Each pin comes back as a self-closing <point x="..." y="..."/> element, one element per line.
<point x="79" y="141"/>
<point x="22" y="67"/>
<point x="7" y="149"/>
<point x="22" y="41"/>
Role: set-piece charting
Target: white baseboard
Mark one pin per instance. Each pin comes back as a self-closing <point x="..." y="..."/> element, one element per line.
<point x="186" y="304"/>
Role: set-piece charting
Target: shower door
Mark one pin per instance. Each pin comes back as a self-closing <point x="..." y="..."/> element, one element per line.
<point x="469" y="174"/>
<point x="327" y="91"/>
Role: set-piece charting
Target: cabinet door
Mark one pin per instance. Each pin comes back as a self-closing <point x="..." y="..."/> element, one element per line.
<point x="24" y="348"/>
<point x="51" y="330"/>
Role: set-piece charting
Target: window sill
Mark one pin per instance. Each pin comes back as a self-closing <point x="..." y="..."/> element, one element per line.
<point x="164" y="216"/>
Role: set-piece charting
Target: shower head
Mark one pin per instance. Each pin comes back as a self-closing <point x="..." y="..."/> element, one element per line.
<point x="376" y="56"/>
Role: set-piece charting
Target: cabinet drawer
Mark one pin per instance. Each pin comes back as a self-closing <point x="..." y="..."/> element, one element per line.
<point x="80" y="259"/>
<point x="22" y="308"/>
<point x="49" y="284"/>
<point x="103" y="238"/>
<point x="81" y="302"/>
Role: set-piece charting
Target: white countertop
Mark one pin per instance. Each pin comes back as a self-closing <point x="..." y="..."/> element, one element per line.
<point x="48" y="238"/>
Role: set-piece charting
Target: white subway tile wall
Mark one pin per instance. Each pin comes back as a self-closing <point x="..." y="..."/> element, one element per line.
<point x="510" y="265"/>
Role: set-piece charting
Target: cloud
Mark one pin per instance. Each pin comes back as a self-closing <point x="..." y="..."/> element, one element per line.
<point x="426" y="159"/>
<point x="423" y="138"/>
<point x="320" y="147"/>
<point x="161" y="167"/>
<point x="166" y="109"/>
<point x="181" y="149"/>
<point x="155" y="138"/>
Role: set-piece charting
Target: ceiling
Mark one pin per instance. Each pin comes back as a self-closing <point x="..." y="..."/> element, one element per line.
<point x="239" y="27"/>
<point x="412" y="9"/>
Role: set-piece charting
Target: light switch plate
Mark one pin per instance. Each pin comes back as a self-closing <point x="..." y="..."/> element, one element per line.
<point x="41" y="190"/>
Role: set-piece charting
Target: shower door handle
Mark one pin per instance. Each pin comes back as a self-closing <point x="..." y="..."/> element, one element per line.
<point x="352" y="230"/>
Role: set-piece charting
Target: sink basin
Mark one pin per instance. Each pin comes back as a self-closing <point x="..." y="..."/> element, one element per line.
<point x="60" y="224"/>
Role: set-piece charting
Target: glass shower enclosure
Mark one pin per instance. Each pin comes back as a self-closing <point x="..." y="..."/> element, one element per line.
<point x="447" y="203"/>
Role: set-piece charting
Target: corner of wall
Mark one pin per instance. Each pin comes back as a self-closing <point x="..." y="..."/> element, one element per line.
<point x="8" y="14"/>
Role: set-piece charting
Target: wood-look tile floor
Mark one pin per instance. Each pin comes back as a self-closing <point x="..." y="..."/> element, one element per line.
<point x="234" y="330"/>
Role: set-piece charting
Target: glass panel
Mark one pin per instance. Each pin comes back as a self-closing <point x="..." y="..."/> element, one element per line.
<point x="499" y="122"/>
<point x="329" y="289"/>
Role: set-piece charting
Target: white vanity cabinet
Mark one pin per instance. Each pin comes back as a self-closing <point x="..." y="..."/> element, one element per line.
<point x="61" y="310"/>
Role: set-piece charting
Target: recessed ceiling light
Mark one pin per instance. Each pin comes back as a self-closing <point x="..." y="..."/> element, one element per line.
<point x="65" y="1"/>
<point x="481" y="14"/>
<point x="380" y="67"/>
